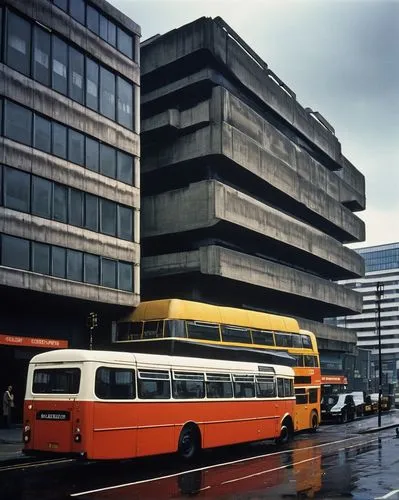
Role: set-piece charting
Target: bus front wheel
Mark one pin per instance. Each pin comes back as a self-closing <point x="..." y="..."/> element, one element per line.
<point x="286" y="432"/>
<point x="189" y="442"/>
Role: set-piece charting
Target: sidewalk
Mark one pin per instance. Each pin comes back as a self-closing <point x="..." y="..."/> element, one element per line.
<point x="11" y="444"/>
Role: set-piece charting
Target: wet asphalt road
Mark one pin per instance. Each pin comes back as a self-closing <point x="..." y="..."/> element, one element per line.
<point x="336" y="462"/>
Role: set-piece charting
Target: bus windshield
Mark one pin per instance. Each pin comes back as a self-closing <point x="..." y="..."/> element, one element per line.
<point x="56" y="381"/>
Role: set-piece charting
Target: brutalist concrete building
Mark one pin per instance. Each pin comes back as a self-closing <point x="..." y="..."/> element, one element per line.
<point x="69" y="170"/>
<point x="247" y="197"/>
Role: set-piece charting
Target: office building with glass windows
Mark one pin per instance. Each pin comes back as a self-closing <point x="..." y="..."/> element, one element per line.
<point x="382" y="266"/>
<point x="69" y="174"/>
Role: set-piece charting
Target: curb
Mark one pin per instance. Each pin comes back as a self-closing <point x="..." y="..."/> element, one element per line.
<point x="376" y="429"/>
<point x="11" y="441"/>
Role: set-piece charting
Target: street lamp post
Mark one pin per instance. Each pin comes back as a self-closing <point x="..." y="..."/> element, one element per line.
<point x="379" y="293"/>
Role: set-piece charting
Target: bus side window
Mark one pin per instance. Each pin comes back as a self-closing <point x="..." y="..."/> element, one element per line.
<point x="218" y="386"/>
<point x="280" y="387"/>
<point x="301" y="399"/>
<point x="310" y="360"/>
<point x="175" y="328"/>
<point x="244" y="386"/>
<point x="288" y="388"/>
<point x="283" y="339"/>
<point x="235" y="334"/>
<point x="115" y="383"/>
<point x="296" y="340"/>
<point x="313" y="395"/>
<point x="188" y="385"/>
<point x="153" y="384"/>
<point x="153" y="329"/>
<point x="262" y="337"/>
<point x="203" y="331"/>
<point x="129" y="331"/>
<point x="265" y="387"/>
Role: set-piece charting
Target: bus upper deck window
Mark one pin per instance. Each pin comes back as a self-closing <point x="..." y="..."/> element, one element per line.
<point x="296" y="340"/>
<point x="283" y="339"/>
<point x="175" y="328"/>
<point x="203" y="331"/>
<point x="262" y="337"/>
<point x="153" y="329"/>
<point x="306" y="342"/>
<point x="128" y="331"/>
<point x="235" y="334"/>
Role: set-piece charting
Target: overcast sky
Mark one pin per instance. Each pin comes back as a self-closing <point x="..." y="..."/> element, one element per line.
<point x="340" y="57"/>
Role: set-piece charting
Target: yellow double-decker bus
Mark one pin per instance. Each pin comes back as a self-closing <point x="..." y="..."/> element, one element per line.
<point x="179" y="327"/>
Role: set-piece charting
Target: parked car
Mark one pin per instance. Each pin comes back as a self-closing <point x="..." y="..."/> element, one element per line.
<point x="338" y="407"/>
<point x="358" y="398"/>
<point x="385" y="401"/>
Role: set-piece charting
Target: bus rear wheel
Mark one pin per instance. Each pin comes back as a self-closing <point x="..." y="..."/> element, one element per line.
<point x="314" y="422"/>
<point x="189" y="442"/>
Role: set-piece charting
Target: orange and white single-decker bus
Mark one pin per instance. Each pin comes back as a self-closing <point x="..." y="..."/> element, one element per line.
<point x="180" y="326"/>
<point x="114" y="405"/>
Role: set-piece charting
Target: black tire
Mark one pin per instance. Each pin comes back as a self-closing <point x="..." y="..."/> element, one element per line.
<point x="314" y="422"/>
<point x="189" y="442"/>
<point x="286" y="432"/>
<point x="344" y="417"/>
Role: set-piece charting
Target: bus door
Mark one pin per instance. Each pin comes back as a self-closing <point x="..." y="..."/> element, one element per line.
<point x="301" y="409"/>
<point x="54" y="410"/>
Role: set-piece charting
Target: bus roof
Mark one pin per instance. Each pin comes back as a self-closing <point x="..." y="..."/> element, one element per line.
<point x="189" y="310"/>
<point x="155" y="361"/>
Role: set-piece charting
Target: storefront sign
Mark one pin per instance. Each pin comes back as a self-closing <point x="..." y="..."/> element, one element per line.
<point x="334" y="379"/>
<point x="33" y="342"/>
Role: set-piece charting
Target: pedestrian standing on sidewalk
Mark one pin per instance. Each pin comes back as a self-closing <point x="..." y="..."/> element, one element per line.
<point x="8" y="405"/>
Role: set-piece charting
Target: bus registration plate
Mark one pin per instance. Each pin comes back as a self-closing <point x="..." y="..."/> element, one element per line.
<point x="53" y="446"/>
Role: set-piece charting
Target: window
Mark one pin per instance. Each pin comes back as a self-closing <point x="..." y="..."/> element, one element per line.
<point x="262" y="337"/>
<point x="41" y="197"/>
<point x="60" y="62"/>
<point x="219" y="386"/>
<point x="188" y="385"/>
<point x="301" y="399"/>
<point x="244" y="386"/>
<point x="60" y="203"/>
<point x="18" y="49"/>
<point x="15" y="252"/>
<point x="288" y="388"/>
<point x="175" y="328"/>
<point x="203" y="331"/>
<point x="108" y="217"/>
<point x="129" y="331"/>
<point x="108" y="273"/>
<point x="125" y="103"/>
<point x="108" y="161"/>
<point x="280" y="387"/>
<point x="58" y="262"/>
<point x="234" y="334"/>
<point x="42" y="134"/>
<point x="59" y="140"/>
<point x="283" y="339"/>
<point x="153" y="329"/>
<point x="16" y="190"/>
<point x="125" y="223"/>
<point x="76" y="70"/>
<point x="91" y="212"/>
<point x="125" y="43"/>
<point x="92" y="69"/>
<point x="41" y="56"/>
<point x="18" y="123"/>
<point x="313" y="396"/>
<point x="92" y="154"/>
<point x="74" y="265"/>
<point x="306" y="342"/>
<point x="76" y="147"/>
<point x="92" y="269"/>
<point x="93" y="20"/>
<point x="75" y="207"/>
<point x="56" y="381"/>
<point x="107" y="93"/>
<point x="77" y="10"/>
<point x="265" y="387"/>
<point x="154" y="384"/>
<point x="1" y="185"/>
<point x="115" y="383"/>
<point x="103" y="28"/>
<point x="124" y="168"/>
<point x="296" y="340"/>
<point x="40" y="258"/>
<point x="111" y="33"/>
<point x="310" y="360"/>
<point x="125" y="276"/>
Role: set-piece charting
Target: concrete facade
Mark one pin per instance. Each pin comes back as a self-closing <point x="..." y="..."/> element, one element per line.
<point x="47" y="304"/>
<point x="247" y="197"/>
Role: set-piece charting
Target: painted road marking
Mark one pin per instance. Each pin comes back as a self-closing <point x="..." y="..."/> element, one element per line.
<point x="388" y="495"/>
<point x="143" y="481"/>
<point x="36" y="464"/>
